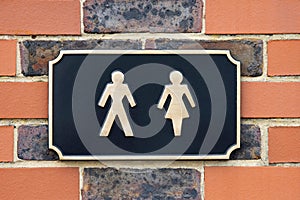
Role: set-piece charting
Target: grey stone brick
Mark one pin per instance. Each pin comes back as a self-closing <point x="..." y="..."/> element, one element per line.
<point x="109" y="183"/>
<point x="36" y="54"/>
<point x="250" y="143"/>
<point x="33" y="143"/>
<point x="111" y="16"/>
<point x="248" y="52"/>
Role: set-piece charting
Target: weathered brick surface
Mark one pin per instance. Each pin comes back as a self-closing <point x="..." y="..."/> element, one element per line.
<point x="170" y="184"/>
<point x="33" y="143"/>
<point x="248" y="52"/>
<point x="35" y="55"/>
<point x="250" y="143"/>
<point x="109" y="16"/>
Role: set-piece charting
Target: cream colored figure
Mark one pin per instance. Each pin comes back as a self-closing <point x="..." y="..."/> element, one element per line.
<point x="177" y="110"/>
<point x="117" y="90"/>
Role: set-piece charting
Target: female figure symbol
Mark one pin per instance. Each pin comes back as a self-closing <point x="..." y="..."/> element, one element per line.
<point x="177" y="110"/>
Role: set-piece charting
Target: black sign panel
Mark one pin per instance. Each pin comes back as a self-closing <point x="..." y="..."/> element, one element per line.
<point x="137" y="105"/>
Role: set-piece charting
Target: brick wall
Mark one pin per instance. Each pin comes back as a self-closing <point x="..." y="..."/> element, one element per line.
<point x="262" y="34"/>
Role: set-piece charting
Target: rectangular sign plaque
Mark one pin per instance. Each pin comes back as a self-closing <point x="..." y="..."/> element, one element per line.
<point x="144" y="104"/>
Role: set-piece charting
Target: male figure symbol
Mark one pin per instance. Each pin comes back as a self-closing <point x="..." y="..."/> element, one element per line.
<point x="117" y="90"/>
<point x="177" y="110"/>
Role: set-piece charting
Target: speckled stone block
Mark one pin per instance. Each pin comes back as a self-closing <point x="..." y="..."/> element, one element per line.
<point x="111" y="16"/>
<point x="35" y="54"/>
<point x="248" y="52"/>
<point x="250" y="143"/>
<point x="33" y="143"/>
<point x="137" y="184"/>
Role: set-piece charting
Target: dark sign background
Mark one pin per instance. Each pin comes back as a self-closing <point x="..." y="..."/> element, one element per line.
<point x="68" y="141"/>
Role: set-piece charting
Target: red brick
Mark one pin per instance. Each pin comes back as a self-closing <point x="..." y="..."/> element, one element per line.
<point x="270" y="99"/>
<point x="39" y="183"/>
<point x="284" y="57"/>
<point x="259" y="183"/>
<point x="36" y="17"/>
<point x="8" y="49"/>
<point x="284" y="144"/>
<point x="6" y="143"/>
<point x="256" y="16"/>
<point x="23" y="100"/>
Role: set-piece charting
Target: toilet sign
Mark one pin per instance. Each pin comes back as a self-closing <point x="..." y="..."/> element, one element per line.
<point x="144" y="104"/>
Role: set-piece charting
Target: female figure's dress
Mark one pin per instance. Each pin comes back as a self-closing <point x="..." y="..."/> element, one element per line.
<point x="176" y="107"/>
<point x="177" y="110"/>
